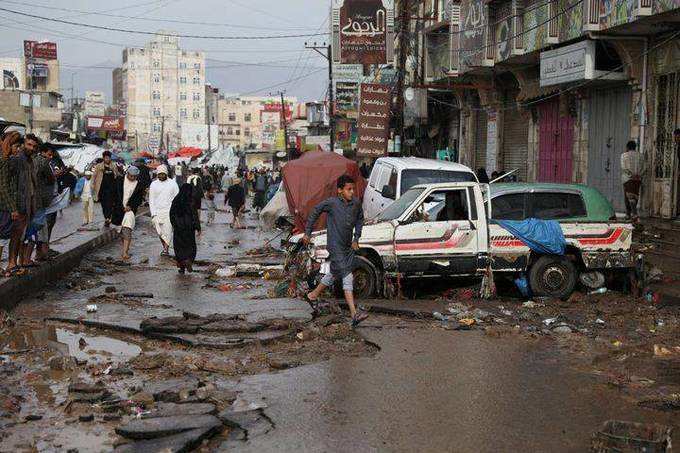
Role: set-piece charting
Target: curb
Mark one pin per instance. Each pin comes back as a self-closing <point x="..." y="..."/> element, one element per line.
<point x="13" y="290"/>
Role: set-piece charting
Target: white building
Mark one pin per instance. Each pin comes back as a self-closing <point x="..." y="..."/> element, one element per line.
<point x="163" y="87"/>
<point x="95" y="103"/>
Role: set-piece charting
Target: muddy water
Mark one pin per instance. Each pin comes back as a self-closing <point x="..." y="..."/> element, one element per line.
<point x="431" y="390"/>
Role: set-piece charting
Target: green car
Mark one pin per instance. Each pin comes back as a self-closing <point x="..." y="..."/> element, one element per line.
<point x="546" y="201"/>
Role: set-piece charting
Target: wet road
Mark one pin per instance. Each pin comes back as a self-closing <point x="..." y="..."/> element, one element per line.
<point x="433" y="390"/>
<point x="427" y="389"/>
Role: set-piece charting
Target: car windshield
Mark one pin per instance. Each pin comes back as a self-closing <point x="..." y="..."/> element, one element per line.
<point x="410" y="178"/>
<point x="396" y="209"/>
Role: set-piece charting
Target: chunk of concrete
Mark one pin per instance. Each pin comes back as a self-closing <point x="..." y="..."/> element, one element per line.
<point x="172" y="409"/>
<point x="176" y="443"/>
<point x="170" y="390"/>
<point x="153" y="428"/>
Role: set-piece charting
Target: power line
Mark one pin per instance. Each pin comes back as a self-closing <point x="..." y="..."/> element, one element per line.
<point x="143" y="32"/>
<point x="283" y="83"/>
<point x="150" y="19"/>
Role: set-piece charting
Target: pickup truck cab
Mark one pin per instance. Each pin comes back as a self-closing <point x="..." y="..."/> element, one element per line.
<point x="407" y="242"/>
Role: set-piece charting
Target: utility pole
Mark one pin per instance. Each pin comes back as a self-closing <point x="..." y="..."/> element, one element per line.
<point x="284" y="124"/>
<point x="331" y="96"/>
<point x="404" y="22"/>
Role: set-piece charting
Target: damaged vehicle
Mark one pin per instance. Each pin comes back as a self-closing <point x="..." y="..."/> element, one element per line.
<point x="409" y="241"/>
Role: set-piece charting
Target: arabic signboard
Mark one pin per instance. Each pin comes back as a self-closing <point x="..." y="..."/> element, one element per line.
<point x="568" y="64"/>
<point x="106" y="123"/>
<point x="374" y="120"/>
<point x="347" y="72"/>
<point x="473" y="17"/>
<point x="45" y="50"/>
<point x="363" y="31"/>
<point x="347" y="99"/>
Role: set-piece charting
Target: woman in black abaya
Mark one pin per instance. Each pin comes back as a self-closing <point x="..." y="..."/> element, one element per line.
<point x="185" y="224"/>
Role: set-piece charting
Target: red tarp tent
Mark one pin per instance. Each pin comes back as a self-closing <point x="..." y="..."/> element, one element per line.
<point x="186" y="152"/>
<point x="312" y="178"/>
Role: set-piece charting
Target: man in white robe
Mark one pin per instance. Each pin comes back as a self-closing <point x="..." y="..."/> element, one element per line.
<point x="161" y="193"/>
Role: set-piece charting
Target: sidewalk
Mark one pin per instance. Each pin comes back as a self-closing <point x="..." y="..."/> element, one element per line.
<point x="71" y="241"/>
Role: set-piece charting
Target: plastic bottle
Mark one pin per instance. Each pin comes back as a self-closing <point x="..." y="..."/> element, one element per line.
<point x="439" y="316"/>
<point x="599" y="291"/>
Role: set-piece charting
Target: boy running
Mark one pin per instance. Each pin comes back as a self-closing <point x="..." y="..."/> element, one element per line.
<point x="345" y="216"/>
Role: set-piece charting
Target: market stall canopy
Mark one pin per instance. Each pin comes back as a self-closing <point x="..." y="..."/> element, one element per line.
<point x="186" y="152"/>
<point x="224" y="156"/>
<point x="312" y="178"/>
<point x="78" y="156"/>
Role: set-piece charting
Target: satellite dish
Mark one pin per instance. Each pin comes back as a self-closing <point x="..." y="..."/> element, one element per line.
<point x="410" y="94"/>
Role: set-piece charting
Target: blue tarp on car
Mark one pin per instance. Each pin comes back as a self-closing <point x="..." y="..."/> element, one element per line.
<point x="542" y="236"/>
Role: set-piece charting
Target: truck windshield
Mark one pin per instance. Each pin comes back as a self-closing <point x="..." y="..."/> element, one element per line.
<point x="396" y="209"/>
<point x="415" y="177"/>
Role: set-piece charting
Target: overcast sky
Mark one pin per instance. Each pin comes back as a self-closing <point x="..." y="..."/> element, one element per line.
<point x="87" y="55"/>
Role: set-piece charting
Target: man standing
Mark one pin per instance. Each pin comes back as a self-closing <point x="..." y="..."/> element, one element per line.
<point x="8" y="194"/>
<point x="161" y="193"/>
<point x="676" y="140"/>
<point x="87" y="199"/>
<point x="104" y="180"/>
<point x="344" y="224"/>
<point x="631" y="177"/>
<point x="144" y="173"/>
<point x="260" y="190"/>
<point x="196" y="184"/>
<point x="46" y="190"/>
<point x="27" y="202"/>
<point x="128" y="196"/>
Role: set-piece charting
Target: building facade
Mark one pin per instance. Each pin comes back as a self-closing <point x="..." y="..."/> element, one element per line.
<point x="163" y="90"/>
<point x="251" y="121"/>
<point x="553" y="90"/>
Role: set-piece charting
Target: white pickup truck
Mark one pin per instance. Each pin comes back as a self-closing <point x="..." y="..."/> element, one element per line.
<point x="406" y="242"/>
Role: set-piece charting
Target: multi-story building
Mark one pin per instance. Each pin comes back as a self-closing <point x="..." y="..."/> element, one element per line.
<point x="163" y="90"/>
<point x="554" y="89"/>
<point x="251" y="121"/>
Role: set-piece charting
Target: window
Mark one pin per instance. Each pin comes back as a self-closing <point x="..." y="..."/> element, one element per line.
<point x="238" y="132"/>
<point x="374" y="176"/>
<point x="197" y="96"/>
<point x="183" y="80"/>
<point x="156" y="95"/>
<point x="183" y="113"/>
<point x="156" y="127"/>
<point x="182" y="96"/>
<point x="553" y="206"/>
<point x="232" y="117"/>
<point x="509" y="207"/>
<point x="410" y="178"/>
<point x="246" y="132"/>
<point x="197" y="114"/>
<point x="197" y="65"/>
<point x="248" y="117"/>
<point x="230" y="131"/>
<point x="156" y="78"/>
<point x="156" y="112"/>
<point x="396" y="209"/>
<point x="454" y="207"/>
<point x="156" y="64"/>
<point x="197" y="80"/>
<point x="182" y="65"/>
<point x="383" y="178"/>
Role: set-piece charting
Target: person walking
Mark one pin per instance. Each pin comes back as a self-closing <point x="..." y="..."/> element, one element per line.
<point x="236" y="199"/>
<point x="8" y="194"/>
<point x="631" y="177"/>
<point x="345" y="220"/>
<point x="260" y="190"/>
<point x="161" y="193"/>
<point x="27" y="201"/>
<point x="104" y="180"/>
<point x="196" y="184"/>
<point x="185" y="225"/>
<point x="128" y="197"/>
<point x="46" y="190"/>
<point x="87" y="198"/>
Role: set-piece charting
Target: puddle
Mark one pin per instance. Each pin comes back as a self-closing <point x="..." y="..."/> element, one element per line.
<point x="94" y="349"/>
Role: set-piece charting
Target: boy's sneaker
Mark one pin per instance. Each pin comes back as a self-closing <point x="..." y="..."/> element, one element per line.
<point x="358" y="318"/>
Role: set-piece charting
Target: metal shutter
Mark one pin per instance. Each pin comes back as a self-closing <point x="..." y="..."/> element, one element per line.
<point x="515" y="142"/>
<point x="480" y="140"/>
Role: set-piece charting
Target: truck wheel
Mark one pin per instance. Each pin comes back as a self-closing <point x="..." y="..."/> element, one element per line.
<point x="553" y="276"/>
<point x="365" y="276"/>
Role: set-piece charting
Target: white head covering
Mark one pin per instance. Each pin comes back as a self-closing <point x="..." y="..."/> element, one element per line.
<point x="162" y="169"/>
<point x="88" y="173"/>
<point x="132" y="170"/>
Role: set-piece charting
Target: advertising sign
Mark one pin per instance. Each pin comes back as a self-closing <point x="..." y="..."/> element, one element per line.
<point x="46" y="50"/>
<point x="363" y="31"/>
<point x="348" y="72"/>
<point x="473" y="17"/>
<point x="106" y="123"/>
<point x="347" y="99"/>
<point x="374" y="120"/>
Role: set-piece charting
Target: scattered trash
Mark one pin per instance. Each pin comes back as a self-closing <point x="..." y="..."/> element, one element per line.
<point x="592" y="280"/>
<point x="225" y="272"/>
<point x="562" y="328"/>
<point x="617" y="343"/>
<point x="654" y="275"/>
<point x="225" y="288"/>
<point x="91" y="308"/>
<point x="599" y="321"/>
<point x="550" y="321"/>
<point x="529" y="304"/>
<point x="629" y="436"/>
<point x="467" y="322"/>
<point x="439" y="316"/>
<point x="663" y="351"/>
<point x="598" y="291"/>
